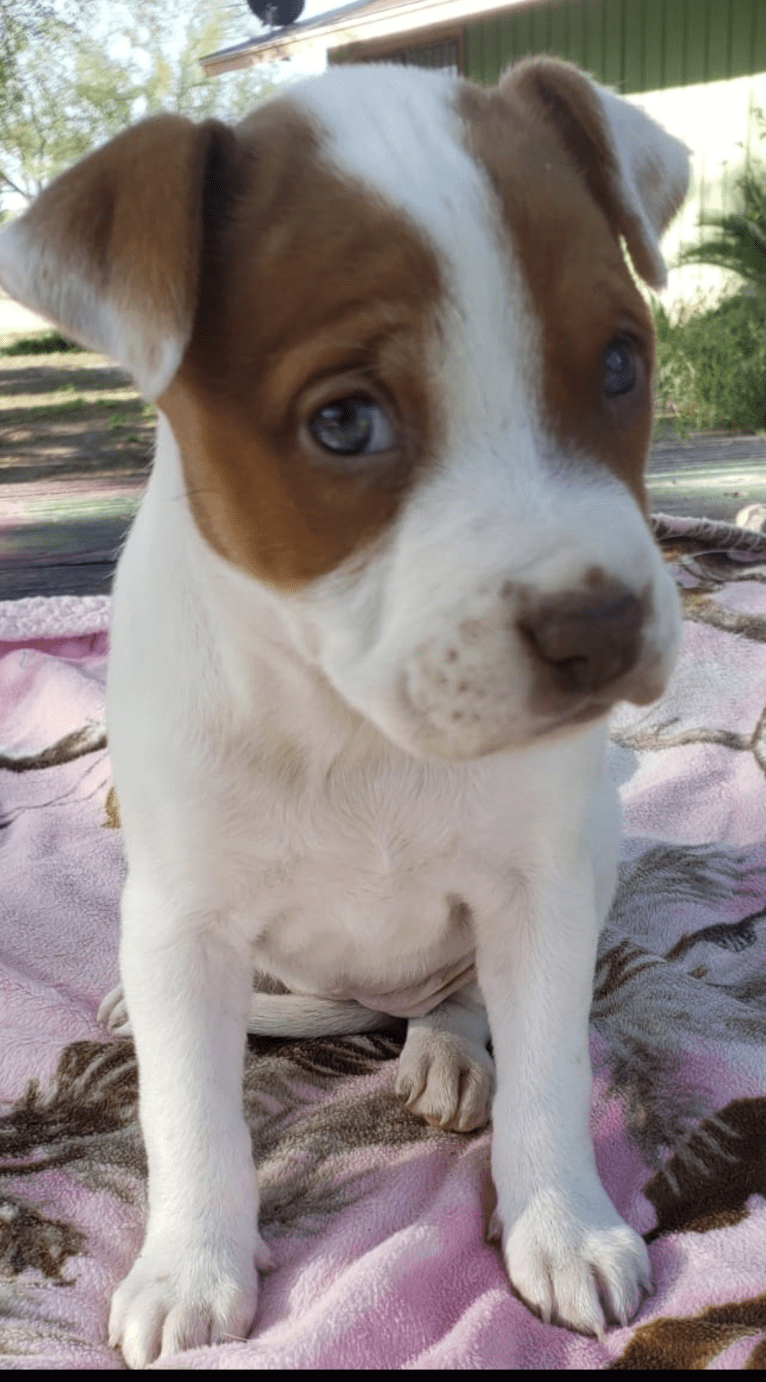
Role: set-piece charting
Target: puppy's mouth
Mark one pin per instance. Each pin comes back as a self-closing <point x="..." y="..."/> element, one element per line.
<point x="640" y="685"/>
<point x="486" y="714"/>
<point x="557" y="727"/>
<point x="596" y="707"/>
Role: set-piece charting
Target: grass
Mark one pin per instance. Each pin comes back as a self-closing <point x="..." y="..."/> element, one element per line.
<point x="126" y="410"/>
<point x="711" y="365"/>
<point x="42" y="343"/>
<point x="67" y="397"/>
<point x="74" y="403"/>
<point x="736" y="240"/>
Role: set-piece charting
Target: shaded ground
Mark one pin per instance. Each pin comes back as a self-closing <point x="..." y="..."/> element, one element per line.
<point x="75" y="448"/>
<point x="69" y="413"/>
<point x="710" y="475"/>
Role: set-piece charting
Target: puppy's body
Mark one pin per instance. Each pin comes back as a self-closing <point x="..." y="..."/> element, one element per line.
<point x="390" y="574"/>
<point x="351" y="866"/>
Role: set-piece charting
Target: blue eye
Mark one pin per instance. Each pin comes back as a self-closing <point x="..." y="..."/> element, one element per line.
<point x="352" y="427"/>
<point x="619" y="367"/>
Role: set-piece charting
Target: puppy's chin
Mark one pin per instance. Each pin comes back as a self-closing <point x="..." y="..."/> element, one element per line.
<point x="463" y="730"/>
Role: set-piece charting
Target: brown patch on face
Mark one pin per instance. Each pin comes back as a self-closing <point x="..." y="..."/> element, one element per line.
<point x="310" y="291"/>
<point x="551" y="166"/>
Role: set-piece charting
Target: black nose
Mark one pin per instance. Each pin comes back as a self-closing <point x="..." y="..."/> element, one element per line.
<point x="586" y="639"/>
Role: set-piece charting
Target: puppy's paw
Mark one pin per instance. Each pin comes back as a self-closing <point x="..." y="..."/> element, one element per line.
<point x="445" y="1079"/>
<point x="113" y="1012"/>
<point x="581" y="1269"/>
<point x="174" y="1300"/>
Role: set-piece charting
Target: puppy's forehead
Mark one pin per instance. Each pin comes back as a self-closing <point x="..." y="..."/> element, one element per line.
<point x="535" y="276"/>
<point x="575" y="279"/>
<point x="409" y="144"/>
<point x="531" y="261"/>
<point x="400" y="134"/>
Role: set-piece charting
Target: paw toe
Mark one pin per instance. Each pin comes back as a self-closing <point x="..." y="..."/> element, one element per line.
<point x="170" y="1302"/>
<point x="584" y="1278"/>
<point x="113" y="1012"/>
<point x="446" y="1081"/>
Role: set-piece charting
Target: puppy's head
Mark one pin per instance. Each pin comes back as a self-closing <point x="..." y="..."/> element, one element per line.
<point x="408" y="373"/>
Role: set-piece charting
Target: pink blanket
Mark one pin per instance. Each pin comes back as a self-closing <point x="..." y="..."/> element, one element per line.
<point x="377" y="1223"/>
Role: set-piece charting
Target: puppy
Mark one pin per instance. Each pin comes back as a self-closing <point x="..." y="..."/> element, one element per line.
<point x="391" y="572"/>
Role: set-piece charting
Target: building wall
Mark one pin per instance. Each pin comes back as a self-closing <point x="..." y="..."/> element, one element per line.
<point x="720" y="123"/>
<point x="697" y="66"/>
<point x="633" y="45"/>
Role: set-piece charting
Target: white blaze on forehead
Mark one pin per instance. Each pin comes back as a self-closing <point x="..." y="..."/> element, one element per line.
<point x="405" y="143"/>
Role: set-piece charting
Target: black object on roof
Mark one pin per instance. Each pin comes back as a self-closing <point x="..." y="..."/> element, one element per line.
<point x="279" y="13"/>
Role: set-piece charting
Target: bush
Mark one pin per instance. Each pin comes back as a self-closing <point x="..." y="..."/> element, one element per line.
<point x="736" y="239"/>
<point x="46" y="343"/>
<point x="711" y="364"/>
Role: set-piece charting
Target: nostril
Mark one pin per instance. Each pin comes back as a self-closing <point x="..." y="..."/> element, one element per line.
<point x="586" y="640"/>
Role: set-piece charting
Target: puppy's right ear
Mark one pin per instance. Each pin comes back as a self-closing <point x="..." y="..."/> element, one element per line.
<point x="110" y="251"/>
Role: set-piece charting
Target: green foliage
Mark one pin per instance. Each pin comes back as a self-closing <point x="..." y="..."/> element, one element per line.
<point x="711" y="362"/>
<point x="738" y="242"/>
<point x="43" y="343"/>
<point x="49" y="122"/>
<point x="166" y="38"/>
<point x="19" y="19"/>
<point x="711" y="365"/>
<point x="73" y="74"/>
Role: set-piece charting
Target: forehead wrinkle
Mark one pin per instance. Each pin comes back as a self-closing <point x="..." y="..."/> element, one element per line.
<point x="292" y="369"/>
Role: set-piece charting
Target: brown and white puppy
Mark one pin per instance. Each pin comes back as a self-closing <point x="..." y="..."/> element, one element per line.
<point x="391" y="573"/>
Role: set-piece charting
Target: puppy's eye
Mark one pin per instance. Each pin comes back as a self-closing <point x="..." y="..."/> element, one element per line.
<point x="619" y="367"/>
<point x="352" y="427"/>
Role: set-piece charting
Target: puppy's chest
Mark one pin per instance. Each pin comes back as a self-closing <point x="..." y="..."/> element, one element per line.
<point x="363" y="883"/>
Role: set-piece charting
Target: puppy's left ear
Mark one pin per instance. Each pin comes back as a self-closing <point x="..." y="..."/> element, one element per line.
<point x="637" y="172"/>
<point x="110" y="250"/>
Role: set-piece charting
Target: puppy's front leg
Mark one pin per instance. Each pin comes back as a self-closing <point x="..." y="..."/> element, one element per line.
<point x="568" y="1252"/>
<point x="187" y="986"/>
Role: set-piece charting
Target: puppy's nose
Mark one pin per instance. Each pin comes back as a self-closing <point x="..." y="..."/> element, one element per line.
<point x="586" y="639"/>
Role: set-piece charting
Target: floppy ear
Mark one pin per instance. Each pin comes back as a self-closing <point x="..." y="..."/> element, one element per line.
<point x="637" y="172"/>
<point x="110" y="251"/>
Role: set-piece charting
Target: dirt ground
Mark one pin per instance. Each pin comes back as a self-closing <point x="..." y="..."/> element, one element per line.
<point x="66" y="413"/>
<point x="75" y="449"/>
<point x="69" y="413"/>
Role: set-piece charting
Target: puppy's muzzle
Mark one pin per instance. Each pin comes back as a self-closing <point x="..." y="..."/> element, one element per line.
<point x="584" y="641"/>
<point x="522" y="663"/>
